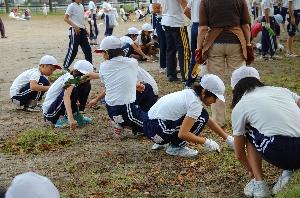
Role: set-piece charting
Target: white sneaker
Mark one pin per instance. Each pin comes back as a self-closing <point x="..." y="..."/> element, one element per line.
<point x="249" y="188"/>
<point x="261" y="189"/>
<point x="118" y="130"/>
<point x="181" y="151"/>
<point x="17" y="105"/>
<point x="282" y="181"/>
<point x="230" y="142"/>
<point x="158" y="146"/>
<point x="162" y="70"/>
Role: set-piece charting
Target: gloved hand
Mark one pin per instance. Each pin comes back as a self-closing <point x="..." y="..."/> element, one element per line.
<point x="230" y="142"/>
<point x="211" y="145"/>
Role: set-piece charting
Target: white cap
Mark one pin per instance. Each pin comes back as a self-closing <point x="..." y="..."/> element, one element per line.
<point x="49" y="60"/>
<point x="243" y="72"/>
<point x="133" y="30"/>
<point x="109" y="42"/>
<point x="31" y="185"/>
<point x="147" y="27"/>
<point x="213" y="84"/>
<point x="278" y="18"/>
<point x="83" y="66"/>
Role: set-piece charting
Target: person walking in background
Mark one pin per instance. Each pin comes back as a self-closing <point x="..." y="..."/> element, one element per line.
<point x="2" y="29"/>
<point x="294" y="18"/>
<point x="93" y="23"/>
<point x="45" y="10"/>
<point x="176" y="39"/>
<point x="78" y="35"/>
<point x="194" y="69"/>
<point x="227" y="44"/>
<point x="109" y="27"/>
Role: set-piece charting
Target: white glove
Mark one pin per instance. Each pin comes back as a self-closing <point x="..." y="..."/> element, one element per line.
<point x="211" y="145"/>
<point x="230" y="142"/>
<point x="267" y="25"/>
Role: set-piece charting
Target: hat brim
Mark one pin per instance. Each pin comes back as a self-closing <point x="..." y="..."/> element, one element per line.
<point x="57" y="66"/>
<point x="99" y="51"/>
<point x="220" y="97"/>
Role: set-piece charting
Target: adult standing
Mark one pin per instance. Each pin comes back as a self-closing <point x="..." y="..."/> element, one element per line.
<point x="226" y="44"/>
<point x="294" y="18"/>
<point x="93" y="23"/>
<point x="74" y="16"/>
<point x="193" y="6"/>
<point x="107" y="8"/>
<point x="176" y="38"/>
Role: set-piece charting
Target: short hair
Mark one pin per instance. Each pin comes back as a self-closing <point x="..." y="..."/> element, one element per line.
<point x="244" y="85"/>
<point x="112" y="53"/>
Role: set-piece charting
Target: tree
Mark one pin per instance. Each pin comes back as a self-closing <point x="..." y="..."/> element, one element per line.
<point x="50" y="6"/>
<point x="6" y="6"/>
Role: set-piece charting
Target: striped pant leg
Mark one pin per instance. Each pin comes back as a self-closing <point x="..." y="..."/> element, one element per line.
<point x="184" y="53"/>
<point x="85" y="46"/>
<point x="73" y="48"/>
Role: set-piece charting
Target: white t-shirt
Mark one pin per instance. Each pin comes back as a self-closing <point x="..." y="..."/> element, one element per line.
<point x="92" y="6"/>
<point x="76" y="14"/>
<point x="125" y="40"/>
<point x="144" y="76"/>
<point x="194" y="5"/>
<point x="55" y="90"/>
<point x="119" y="76"/>
<point x="176" y="105"/>
<point x="122" y="11"/>
<point x="271" y="110"/>
<point x="172" y="13"/>
<point x="23" y="79"/>
<point x="296" y="4"/>
<point x="107" y="6"/>
<point x="267" y="4"/>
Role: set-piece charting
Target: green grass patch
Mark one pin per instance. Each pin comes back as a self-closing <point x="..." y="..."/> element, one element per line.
<point x="35" y="141"/>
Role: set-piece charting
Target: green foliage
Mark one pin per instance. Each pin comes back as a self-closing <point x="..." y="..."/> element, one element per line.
<point x="292" y="190"/>
<point x="35" y="140"/>
<point x="56" y="75"/>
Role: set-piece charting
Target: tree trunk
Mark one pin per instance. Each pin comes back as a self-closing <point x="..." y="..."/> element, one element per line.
<point x="50" y="6"/>
<point x="6" y="6"/>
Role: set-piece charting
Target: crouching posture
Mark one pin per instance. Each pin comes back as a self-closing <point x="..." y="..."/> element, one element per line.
<point x="179" y="117"/>
<point x="29" y="87"/>
<point x="265" y="121"/>
<point x="67" y="96"/>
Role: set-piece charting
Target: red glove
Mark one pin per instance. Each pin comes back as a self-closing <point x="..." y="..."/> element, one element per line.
<point x="250" y="55"/>
<point x="198" y="56"/>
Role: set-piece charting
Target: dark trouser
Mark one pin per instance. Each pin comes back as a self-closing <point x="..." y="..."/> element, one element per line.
<point x="146" y="99"/>
<point x="168" y="130"/>
<point x="281" y="151"/>
<point x="268" y="42"/>
<point x="293" y="28"/>
<point x="26" y="95"/>
<point x="154" y="21"/>
<point x="2" y="29"/>
<point x="177" y="39"/>
<point x="162" y="43"/>
<point x="283" y="13"/>
<point x="93" y="34"/>
<point x="83" y="92"/>
<point x="76" y="40"/>
<point x="108" y="30"/>
<point x="255" y="11"/>
<point x="128" y="115"/>
<point x="276" y="10"/>
<point x="194" y="35"/>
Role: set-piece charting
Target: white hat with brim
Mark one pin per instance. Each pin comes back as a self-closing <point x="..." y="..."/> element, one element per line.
<point x="84" y="66"/>
<point x="243" y="72"/>
<point x="133" y="30"/>
<point x="49" y="60"/>
<point x="30" y="184"/>
<point x="109" y="42"/>
<point x="147" y="27"/>
<point x="213" y="84"/>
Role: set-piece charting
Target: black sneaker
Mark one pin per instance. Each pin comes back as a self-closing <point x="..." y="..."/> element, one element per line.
<point x="173" y="78"/>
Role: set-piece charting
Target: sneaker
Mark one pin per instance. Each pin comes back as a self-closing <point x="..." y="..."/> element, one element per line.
<point x="81" y="119"/>
<point x="261" y="189"/>
<point x="181" y="151"/>
<point x="62" y="122"/>
<point x="291" y="55"/>
<point x="230" y="142"/>
<point x="34" y="108"/>
<point x="173" y="78"/>
<point x="158" y="146"/>
<point x="17" y="104"/>
<point x="282" y="181"/>
<point x="276" y="57"/>
<point x="162" y="70"/>
<point x="117" y="129"/>
<point x="249" y="188"/>
<point x="264" y="58"/>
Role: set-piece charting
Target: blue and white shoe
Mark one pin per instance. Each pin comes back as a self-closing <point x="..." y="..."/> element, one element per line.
<point x="181" y="151"/>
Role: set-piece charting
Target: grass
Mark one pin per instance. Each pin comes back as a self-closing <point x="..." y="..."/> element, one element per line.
<point x="35" y="140"/>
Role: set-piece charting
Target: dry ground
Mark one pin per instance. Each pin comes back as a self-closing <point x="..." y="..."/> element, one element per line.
<point x="96" y="164"/>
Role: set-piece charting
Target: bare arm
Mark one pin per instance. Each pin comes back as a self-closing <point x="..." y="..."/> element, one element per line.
<point x="247" y="33"/>
<point x="291" y="12"/>
<point x="138" y="50"/>
<point x="67" y="102"/>
<point x="298" y="103"/>
<point x="34" y="86"/>
<point x="185" y="134"/>
<point x="216" y="128"/>
<point x="240" y="152"/>
<point x="202" y="30"/>
<point x="267" y="15"/>
<point x="68" y="21"/>
<point x="94" y="101"/>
